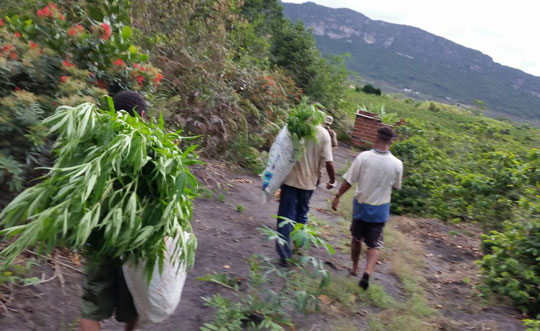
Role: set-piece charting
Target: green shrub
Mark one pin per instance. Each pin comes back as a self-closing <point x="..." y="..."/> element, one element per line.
<point x="370" y="89"/>
<point x="511" y="264"/>
<point x="49" y="58"/>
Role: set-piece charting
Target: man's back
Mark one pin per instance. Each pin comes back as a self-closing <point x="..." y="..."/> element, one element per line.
<point x="375" y="173"/>
<point x="305" y="173"/>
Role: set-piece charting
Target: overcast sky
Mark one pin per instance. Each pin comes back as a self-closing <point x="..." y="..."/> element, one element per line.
<point x="508" y="31"/>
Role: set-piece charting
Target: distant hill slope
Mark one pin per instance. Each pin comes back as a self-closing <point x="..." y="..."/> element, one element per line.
<point x="406" y="57"/>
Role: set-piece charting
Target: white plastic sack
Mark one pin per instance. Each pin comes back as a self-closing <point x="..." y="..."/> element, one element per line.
<point x="158" y="299"/>
<point x="281" y="160"/>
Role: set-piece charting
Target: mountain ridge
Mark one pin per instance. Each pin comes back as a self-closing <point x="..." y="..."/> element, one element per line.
<point x="419" y="62"/>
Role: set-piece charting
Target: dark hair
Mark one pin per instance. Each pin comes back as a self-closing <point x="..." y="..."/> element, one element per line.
<point x="129" y="100"/>
<point x="385" y="134"/>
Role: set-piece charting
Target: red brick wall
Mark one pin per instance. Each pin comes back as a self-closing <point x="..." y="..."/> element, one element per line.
<point x="365" y="129"/>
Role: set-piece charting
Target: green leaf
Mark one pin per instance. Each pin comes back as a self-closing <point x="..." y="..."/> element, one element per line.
<point x="95" y="13"/>
<point x="126" y="32"/>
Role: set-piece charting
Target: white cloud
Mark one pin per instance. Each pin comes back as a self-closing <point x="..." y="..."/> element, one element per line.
<point x="505" y="30"/>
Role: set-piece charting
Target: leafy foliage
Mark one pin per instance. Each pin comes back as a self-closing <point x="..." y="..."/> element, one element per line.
<point x="302" y="122"/>
<point x="48" y="57"/>
<point x="109" y="191"/>
<point x="271" y="292"/>
<point x="511" y="265"/>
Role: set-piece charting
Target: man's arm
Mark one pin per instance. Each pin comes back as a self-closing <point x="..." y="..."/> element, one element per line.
<point x="344" y="188"/>
<point x="333" y="137"/>
<point x="331" y="174"/>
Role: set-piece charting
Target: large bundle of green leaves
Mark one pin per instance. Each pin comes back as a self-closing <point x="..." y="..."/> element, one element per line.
<point x="303" y="119"/>
<point x="118" y="187"/>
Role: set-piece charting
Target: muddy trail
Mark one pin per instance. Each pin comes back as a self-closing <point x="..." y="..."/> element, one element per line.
<point x="226" y="221"/>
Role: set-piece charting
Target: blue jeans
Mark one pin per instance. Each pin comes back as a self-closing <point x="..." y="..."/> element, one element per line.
<point x="294" y="205"/>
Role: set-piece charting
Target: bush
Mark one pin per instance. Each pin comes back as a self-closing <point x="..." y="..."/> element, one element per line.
<point x="370" y="89"/>
<point x="511" y="266"/>
<point x="49" y="58"/>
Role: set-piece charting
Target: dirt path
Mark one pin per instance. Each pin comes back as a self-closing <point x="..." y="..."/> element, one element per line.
<point x="226" y="227"/>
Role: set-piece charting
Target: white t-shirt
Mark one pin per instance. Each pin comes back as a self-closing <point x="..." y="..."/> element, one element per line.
<point x="375" y="173"/>
<point x="317" y="152"/>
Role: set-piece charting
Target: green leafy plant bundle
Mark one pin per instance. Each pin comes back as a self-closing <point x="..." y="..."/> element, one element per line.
<point x="118" y="187"/>
<point x="301" y="123"/>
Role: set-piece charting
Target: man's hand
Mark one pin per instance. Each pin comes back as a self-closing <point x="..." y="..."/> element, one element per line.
<point x="335" y="203"/>
<point x="330" y="186"/>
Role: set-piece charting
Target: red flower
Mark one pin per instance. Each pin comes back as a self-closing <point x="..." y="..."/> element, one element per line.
<point x="107" y="30"/>
<point x="44" y="12"/>
<point x="1" y="22"/>
<point x="33" y="44"/>
<point x="17" y="34"/>
<point x="61" y="17"/>
<point x="17" y="88"/>
<point x="118" y="62"/>
<point x="13" y="55"/>
<point x="135" y="65"/>
<point x="158" y="78"/>
<point x="67" y="64"/>
<point x="71" y="32"/>
<point x="79" y="27"/>
<point x="140" y="79"/>
<point x="63" y="79"/>
<point x="47" y="11"/>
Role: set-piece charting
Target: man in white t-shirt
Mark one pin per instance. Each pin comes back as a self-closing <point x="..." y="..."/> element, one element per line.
<point x="375" y="172"/>
<point x="299" y="185"/>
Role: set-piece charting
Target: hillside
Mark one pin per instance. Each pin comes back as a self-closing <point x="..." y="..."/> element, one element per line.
<point x="406" y="57"/>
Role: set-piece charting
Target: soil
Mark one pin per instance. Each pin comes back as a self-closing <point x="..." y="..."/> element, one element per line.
<point x="226" y="225"/>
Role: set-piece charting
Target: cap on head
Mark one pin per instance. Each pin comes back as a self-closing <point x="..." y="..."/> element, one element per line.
<point x="328" y="120"/>
<point x="385" y="134"/>
<point x="129" y="101"/>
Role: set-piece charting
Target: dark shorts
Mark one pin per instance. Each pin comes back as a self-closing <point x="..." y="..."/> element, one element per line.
<point x="370" y="233"/>
<point x="105" y="293"/>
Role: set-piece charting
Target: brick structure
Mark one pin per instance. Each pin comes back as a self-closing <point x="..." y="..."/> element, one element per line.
<point x="365" y="128"/>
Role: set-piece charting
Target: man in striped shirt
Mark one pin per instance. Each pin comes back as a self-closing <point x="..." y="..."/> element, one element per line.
<point x="375" y="172"/>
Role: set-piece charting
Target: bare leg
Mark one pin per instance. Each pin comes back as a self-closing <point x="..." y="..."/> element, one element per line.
<point x="89" y="325"/>
<point x="130" y="326"/>
<point x="356" y="249"/>
<point x="372" y="257"/>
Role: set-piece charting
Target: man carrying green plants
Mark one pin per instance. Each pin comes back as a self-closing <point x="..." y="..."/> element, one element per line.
<point x="299" y="185"/>
<point x="105" y="290"/>
<point x="375" y="172"/>
<point x="118" y="189"/>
